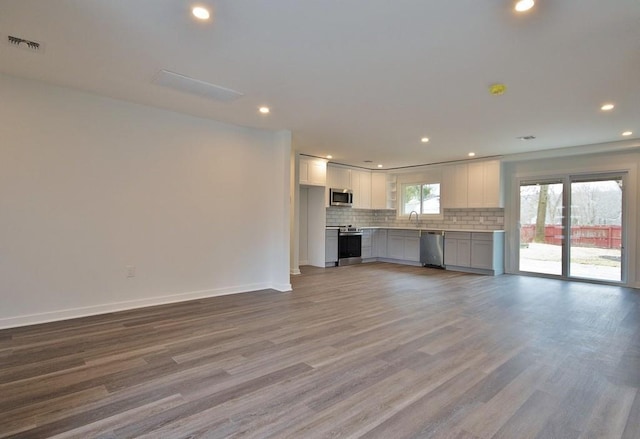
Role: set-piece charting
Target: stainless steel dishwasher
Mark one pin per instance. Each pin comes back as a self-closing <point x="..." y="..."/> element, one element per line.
<point x="432" y="248"/>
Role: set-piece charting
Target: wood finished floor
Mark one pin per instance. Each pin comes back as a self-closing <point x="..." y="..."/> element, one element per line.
<point x="372" y="351"/>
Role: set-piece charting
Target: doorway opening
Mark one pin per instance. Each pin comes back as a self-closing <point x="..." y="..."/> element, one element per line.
<point x="572" y="227"/>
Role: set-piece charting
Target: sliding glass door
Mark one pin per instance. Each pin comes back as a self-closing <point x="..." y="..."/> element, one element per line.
<point x="572" y="227"/>
<point x="541" y="228"/>
<point x="596" y="228"/>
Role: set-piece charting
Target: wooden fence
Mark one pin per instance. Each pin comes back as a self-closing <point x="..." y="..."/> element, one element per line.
<point x="581" y="236"/>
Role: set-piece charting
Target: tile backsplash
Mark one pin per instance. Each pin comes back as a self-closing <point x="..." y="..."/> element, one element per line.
<point x="474" y="219"/>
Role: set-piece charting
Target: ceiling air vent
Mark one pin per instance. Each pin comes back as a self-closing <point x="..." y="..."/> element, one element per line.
<point x="195" y="86"/>
<point x="21" y="43"/>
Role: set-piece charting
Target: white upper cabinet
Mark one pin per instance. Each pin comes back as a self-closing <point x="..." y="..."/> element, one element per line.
<point x="358" y="180"/>
<point x="378" y="190"/>
<point x="454" y="186"/>
<point x="475" y="191"/>
<point x="370" y="189"/>
<point x="391" y="192"/>
<point x="356" y="188"/>
<point x="361" y="187"/>
<point x="485" y="184"/>
<point x="338" y="177"/>
<point x="313" y="171"/>
<point x="476" y="184"/>
<point x="493" y="184"/>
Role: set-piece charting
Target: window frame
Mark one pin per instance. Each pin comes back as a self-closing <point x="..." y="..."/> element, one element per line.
<point x="421" y="183"/>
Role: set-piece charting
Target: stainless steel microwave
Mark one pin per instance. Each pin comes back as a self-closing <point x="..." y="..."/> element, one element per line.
<point x="340" y="197"/>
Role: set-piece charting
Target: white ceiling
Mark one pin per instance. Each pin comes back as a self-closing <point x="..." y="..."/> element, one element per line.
<point x="358" y="79"/>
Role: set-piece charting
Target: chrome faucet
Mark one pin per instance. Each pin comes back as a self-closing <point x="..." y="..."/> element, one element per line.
<point x="412" y="212"/>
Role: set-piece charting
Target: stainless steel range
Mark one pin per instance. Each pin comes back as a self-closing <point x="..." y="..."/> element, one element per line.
<point x="349" y="245"/>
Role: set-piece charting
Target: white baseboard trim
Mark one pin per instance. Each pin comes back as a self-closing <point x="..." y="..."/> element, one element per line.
<point x="282" y="287"/>
<point x="66" y="314"/>
<point x="295" y="271"/>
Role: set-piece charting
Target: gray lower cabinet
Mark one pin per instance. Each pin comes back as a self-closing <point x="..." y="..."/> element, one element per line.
<point x="482" y="251"/>
<point x="457" y="249"/>
<point x="380" y="243"/>
<point x="330" y="247"/>
<point x="367" y="244"/>
<point x="412" y="247"/>
<point x="399" y="246"/>
<point x="403" y="245"/>
<point x="374" y="244"/>
<point x="475" y="252"/>
<point x="395" y="245"/>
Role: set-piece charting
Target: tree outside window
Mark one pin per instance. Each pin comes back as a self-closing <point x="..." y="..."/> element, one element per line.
<point x="422" y="198"/>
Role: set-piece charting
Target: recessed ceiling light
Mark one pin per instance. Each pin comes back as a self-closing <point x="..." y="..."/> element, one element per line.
<point x="264" y="110"/>
<point x="329" y="156"/>
<point x="200" y="13"/>
<point x="472" y="154"/>
<point x="424" y="139"/>
<point x="379" y="166"/>
<point x="524" y="5"/>
<point x="607" y="107"/>
<point x="627" y="133"/>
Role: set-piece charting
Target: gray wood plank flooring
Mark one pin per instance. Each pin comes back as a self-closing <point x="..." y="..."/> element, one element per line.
<point x="372" y="351"/>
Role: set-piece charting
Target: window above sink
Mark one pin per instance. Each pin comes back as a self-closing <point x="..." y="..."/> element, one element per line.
<point x="421" y="197"/>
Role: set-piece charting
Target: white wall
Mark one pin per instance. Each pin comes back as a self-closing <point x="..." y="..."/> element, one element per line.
<point x="294" y="214"/>
<point x="316" y="225"/>
<point x="312" y="224"/>
<point x="89" y="185"/>
<point x="304" y="229"/>
<point x="623" y="161"/>
<point x="278" y="213"/>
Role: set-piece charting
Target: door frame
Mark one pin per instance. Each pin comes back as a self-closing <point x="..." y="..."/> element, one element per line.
<point x="623" y="222"/>
<point x="539" y="181"/>
<point x="629" y="216"/>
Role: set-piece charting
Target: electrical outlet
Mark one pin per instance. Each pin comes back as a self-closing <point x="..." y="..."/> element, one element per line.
<point x="481" y="220"/>
<point x="131" y="270"/>
<point x="454" y="219"/>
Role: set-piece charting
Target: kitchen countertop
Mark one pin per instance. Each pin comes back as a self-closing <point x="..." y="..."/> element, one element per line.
<point x="422" y="228"/>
